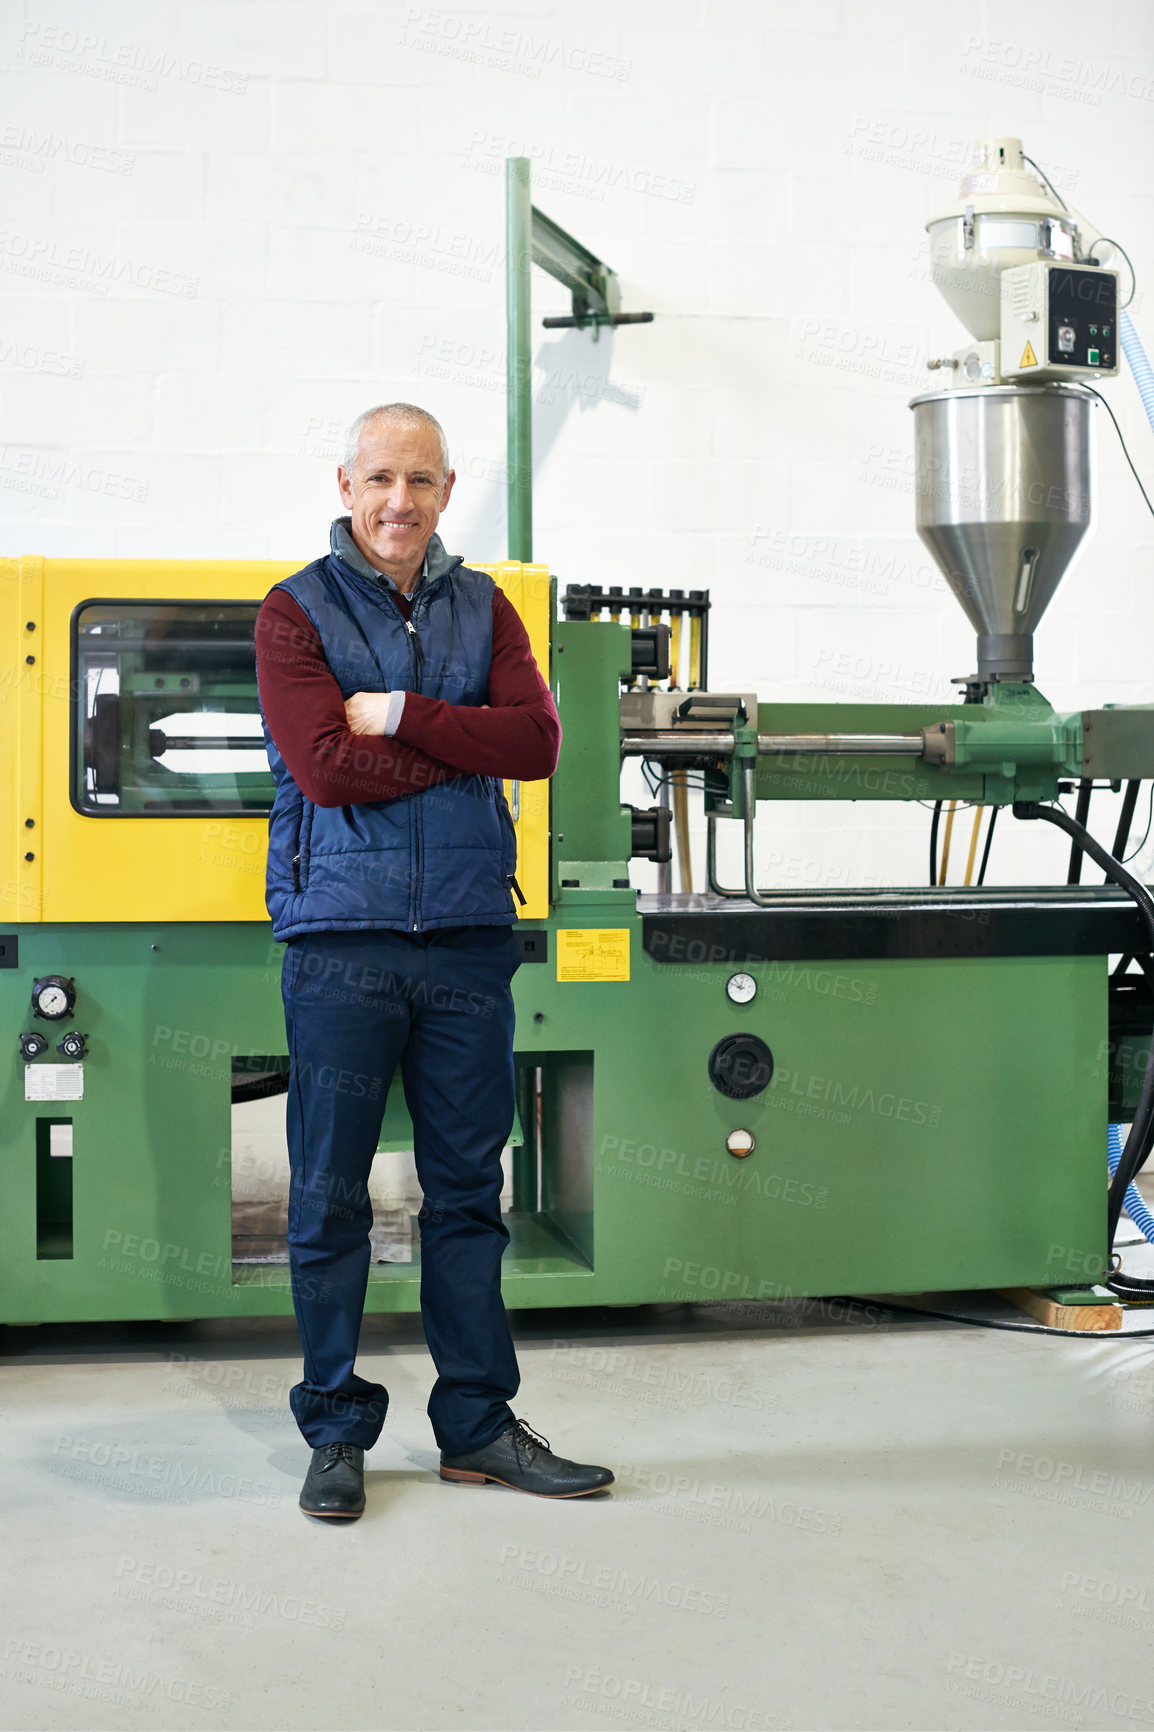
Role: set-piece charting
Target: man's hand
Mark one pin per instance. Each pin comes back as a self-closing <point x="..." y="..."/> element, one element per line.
<point x="366" y="712"/>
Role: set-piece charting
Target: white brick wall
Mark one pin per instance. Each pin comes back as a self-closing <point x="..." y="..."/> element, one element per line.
<point x="282" y="211"/>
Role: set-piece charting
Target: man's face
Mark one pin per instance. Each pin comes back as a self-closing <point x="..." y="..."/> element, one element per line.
<point x="396" y="494"/>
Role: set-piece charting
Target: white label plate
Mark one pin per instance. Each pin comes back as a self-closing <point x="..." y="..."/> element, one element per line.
<point x="53" y="1082"/>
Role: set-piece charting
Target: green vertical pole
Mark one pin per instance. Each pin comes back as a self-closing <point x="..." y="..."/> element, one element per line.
<point x="518" y="258"/>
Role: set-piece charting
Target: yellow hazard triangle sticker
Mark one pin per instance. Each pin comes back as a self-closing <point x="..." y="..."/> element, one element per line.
<point x="1029" y="359"/>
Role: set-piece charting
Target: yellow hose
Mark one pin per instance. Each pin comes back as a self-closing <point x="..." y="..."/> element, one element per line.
<point x="974" y="844"/>
<point x="694" y="652"/>
<point x="946" y="843"/>
<point x="674" y="649"/>
<point x="680" y="788"/>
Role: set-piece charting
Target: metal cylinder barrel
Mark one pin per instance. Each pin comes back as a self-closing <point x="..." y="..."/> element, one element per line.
<point x="1003" y="483"/>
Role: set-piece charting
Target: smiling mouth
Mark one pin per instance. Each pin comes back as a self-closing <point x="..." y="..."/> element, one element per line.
<point x="388" y="523"/>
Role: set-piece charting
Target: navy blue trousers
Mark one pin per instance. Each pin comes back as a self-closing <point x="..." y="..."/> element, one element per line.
<point x="439" y="1004"/>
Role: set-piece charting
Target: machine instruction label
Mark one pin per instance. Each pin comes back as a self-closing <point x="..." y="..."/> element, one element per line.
<point x="53" y="1082"/>
<point x="593" y="953"/>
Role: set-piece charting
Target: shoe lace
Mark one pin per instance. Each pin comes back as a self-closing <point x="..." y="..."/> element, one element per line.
<point x="525" y="1439"/>
<point x="335" y="1452"/>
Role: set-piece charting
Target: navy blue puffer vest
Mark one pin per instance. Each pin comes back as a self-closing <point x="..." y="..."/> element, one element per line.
<point x="442" y="856"/>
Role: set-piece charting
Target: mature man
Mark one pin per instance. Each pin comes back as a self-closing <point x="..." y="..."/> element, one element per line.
<point x="398" y="689"/>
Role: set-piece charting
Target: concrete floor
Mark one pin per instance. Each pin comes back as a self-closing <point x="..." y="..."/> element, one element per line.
<point x="822" y="1519"/>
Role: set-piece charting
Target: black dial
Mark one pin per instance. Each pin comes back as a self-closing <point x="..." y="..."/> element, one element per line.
<point x="53" y="997"/>
<point x="72" y="1044"/>
<point x="740" y="1066"/>
<point x="32" y="1045"/>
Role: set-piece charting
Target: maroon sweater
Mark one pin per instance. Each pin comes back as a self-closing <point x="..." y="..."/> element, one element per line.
<point x="517" y="738"/>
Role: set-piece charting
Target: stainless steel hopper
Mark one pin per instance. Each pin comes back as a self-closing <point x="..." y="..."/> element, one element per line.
<point x="1003" y="486"/>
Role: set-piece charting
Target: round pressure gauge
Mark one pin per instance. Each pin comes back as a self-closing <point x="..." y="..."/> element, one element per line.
<point x="741" y="989"/>
<point x="53" y="997"/>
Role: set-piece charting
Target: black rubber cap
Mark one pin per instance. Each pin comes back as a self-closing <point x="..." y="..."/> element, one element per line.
<point x="740" y="1065"/>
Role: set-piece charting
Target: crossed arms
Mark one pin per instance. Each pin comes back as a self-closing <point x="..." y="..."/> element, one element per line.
<point x="516" y="735"/>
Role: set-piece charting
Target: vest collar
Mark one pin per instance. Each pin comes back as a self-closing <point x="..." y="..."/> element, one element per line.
<point x="437" y="562"/>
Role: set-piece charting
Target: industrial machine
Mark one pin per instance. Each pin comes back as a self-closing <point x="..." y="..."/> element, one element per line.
<point x="737" y="1093"/>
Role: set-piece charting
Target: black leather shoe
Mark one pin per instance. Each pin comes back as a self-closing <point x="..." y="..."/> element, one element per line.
<point x="523" y="1461"/>
<point x="335" y="1482"/>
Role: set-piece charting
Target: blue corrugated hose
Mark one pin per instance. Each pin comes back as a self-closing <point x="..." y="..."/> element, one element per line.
<point x="1139" y="365"/>
<point x="1135" y="1207"/>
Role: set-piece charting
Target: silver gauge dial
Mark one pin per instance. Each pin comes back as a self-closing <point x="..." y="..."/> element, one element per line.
<point x="53" y="997"/>
<point x="741" y="989"/>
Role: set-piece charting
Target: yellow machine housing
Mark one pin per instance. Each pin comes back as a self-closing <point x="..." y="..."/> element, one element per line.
<point x="60" y="864"/>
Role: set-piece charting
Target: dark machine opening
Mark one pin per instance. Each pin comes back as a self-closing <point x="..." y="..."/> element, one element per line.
<point x="547" y="1201"/>
<point x="54" y="1189"/>
<point x="553" y="1169"/>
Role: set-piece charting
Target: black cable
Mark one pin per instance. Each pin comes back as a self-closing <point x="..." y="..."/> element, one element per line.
<point x="1081" y="813"/>
<point x="994" y="810"/>
<point x="652" y="767"/>
<point x="1045" y="180"/>
<point x="1108" y="240"/>
<point x="998" y="1323"/>
<point x="1142" y="1129"/>
<point x="937" y="817"/>
<point x="1130" y="1287"/>
<point x="1126" y="820"/>
<point x="1122" y="442"/>
<point x="1146" y="831"/>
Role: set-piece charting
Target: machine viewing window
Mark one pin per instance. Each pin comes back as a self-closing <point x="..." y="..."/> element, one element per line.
<point x="165" y="718"/>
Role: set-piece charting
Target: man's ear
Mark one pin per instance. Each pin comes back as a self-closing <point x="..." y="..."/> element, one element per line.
<point x="448" y="487"/>
<point x="345" y="485"/>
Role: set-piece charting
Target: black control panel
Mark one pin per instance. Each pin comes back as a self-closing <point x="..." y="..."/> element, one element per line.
<point x="1083" y="316"/>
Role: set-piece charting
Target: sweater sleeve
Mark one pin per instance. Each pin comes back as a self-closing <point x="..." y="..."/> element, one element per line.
<point x="518" y="737"/>
<point x="305" y="712"/>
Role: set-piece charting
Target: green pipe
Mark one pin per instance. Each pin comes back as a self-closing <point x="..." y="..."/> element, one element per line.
<point x="518" y="258"/>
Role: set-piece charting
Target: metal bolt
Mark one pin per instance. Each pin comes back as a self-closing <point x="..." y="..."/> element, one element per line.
<point x="538" y="1016"/>
<point x="30" y="823"/>
<point x="31" y="626"/>
<point x="30" y="660"/>
<point x="29" y="856"/>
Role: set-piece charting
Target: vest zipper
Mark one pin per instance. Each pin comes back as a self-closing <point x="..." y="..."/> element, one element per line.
<point x="296" y="872"/>
<point x="418" y="658"/>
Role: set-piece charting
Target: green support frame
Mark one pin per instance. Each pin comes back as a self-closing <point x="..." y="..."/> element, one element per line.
<point x="532" y="238"/>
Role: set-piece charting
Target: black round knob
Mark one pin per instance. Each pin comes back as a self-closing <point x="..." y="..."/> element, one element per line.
<point x="32" y="1045"/>
<point x="740" y="1065"/>
<point x="72" y="1045"/>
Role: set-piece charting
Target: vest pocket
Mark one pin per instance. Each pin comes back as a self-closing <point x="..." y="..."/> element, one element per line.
<point x="300" y="860"/>
<point x="508" y="832"/>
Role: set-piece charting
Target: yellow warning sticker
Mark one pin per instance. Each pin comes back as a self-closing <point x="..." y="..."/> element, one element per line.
<point x="1029" y="359"/>
<point x="593" y="953"/>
